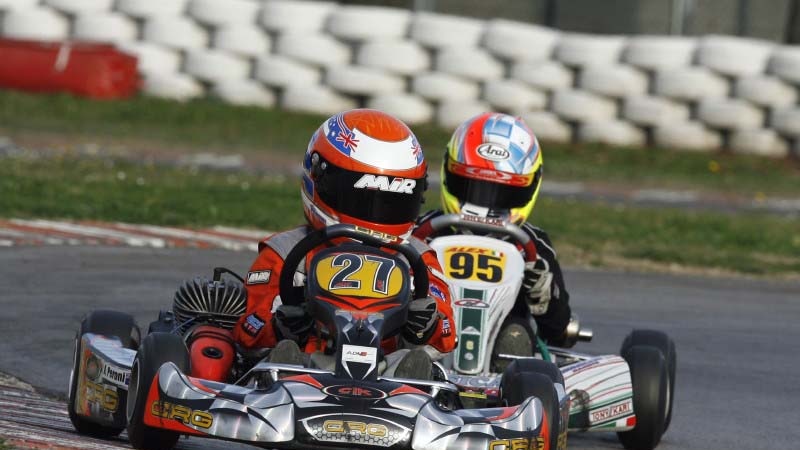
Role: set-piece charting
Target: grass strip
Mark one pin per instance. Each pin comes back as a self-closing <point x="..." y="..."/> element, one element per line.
<point x="209" y="124"/>
<point x="595" y="233"/>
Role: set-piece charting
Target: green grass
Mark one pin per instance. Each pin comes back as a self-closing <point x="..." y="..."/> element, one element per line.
<point x="599" y="234"/>
<point x="206" y="124"/>
<point x="4" y="445"/>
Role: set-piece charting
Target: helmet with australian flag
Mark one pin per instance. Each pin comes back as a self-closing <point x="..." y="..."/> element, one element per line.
<point x="364" y="167"/>
<point x="492" y="169"/>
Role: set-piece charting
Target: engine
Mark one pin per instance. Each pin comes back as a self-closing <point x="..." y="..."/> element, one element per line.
<point x="203" y="301"/>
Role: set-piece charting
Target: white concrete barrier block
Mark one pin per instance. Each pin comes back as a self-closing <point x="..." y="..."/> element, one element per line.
<point x="612" y="132"/>
<point x="224" y="12"/>
<point x="11" y="5"/>
<point x="470" y="63"/>
<point x="411" y="109"/>
<point x="547" y="126"/>
<point x="734" y="56"/>
<point x="729" y="114"/>
<point x="104" y="27"/>
<point x="762" y="142"/>
<point x="215" y="66"/>
<point x="363" y="80"/>
<point x="690" y="84"/>
<point x="785" y="63"/>
<point x="518" y="41"/>
<point x="398" y="56"/>
<point x="545" y="75"/>
<point x="686" y="136"/>
<point x="441" y="30"/>
<point x="451" y="114"/>
<point x="175" y="32"/>
<point x="80" y="6"/>
<point x="153" y="58"/>
<point x="243" y="93"/>
<point x="35" y="24"/>
<point x="646" y="110"/>
<point x="441" y="86"/>
<point x="146" y="9"/>
<point x="174" y="86"/>
<point x="660" y="52"/>
<point x="280" y="71"/>
<point x="581" y="50"/>
<point x="315" y="49"/>
<point x="765" y="91"/>
<point x="242" y="40"/>
<point x="361" y="23"/>
<point x="581" y="106"/>
<point x="513" y="96"/>
<point x="315" y="99"/>
<point x="613" y="80"/>
<point x="787" y="121"/>
<point x="295" y="16"/>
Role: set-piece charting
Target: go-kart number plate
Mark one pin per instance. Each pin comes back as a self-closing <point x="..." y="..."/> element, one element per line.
<point x="359" y="275"/>
<point x="474" y="263"/>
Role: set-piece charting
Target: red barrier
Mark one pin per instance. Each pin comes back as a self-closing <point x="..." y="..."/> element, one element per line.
<point x="91" y="70"/>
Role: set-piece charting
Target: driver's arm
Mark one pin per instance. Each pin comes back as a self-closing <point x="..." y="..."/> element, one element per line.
<point x="443" y="338"/>
<point x="254" y="328"/>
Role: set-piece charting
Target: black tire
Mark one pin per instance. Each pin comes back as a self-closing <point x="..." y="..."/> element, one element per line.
<point x="525" y="378"/>
<point x="515" y="338"/>
<point x="650" y="386"/>
<point x="156" y="349"/>
<point x="661" y="341"/>
<point x="107" y="323"/>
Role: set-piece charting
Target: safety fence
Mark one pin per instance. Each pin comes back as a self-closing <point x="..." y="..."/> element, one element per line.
<point x="676" y="92"/>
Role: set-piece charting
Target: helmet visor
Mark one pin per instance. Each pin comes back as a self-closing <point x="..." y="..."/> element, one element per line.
<point x="490" y="194"/>
<point x="382" y="199"/>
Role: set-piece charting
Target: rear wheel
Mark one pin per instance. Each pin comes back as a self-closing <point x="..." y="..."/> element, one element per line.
<point x="109" y="324"/>
<point x="661" y="341"/>
<point x="525" y="378"/>
<point x="650" y="390"/>
<point x="156" y="349"/>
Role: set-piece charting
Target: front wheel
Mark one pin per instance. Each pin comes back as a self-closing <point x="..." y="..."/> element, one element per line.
<point x="662" y="342"/>
<point x="650" y="381"/>
<point x="110" y="324"/>
<point x="525" y="378"/>
<point x="156" y="349"/>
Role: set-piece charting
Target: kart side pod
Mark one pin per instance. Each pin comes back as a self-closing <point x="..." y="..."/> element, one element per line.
<point x="211" y="352"/>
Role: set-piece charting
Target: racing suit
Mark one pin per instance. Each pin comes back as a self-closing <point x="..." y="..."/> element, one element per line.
<point x="553" y="323"/>
<point x="255" y="328"/>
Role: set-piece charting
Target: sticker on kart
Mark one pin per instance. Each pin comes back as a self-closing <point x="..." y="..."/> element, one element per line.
<point x="474" y="263"/>
<point x="359" y="275"/>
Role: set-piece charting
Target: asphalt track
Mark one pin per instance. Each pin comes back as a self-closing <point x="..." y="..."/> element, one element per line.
<point x="738" y="340"/>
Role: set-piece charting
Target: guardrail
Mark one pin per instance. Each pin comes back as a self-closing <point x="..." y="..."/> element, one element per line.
<point x="677" y="92"/>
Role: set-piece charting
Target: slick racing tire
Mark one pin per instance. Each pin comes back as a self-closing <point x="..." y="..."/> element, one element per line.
<point x="666" y="346"/>
<point x="156" y="349"/>
<point x="518" y="383"/>
<point x="650" y="381"/>
<point x="110" y="324"/>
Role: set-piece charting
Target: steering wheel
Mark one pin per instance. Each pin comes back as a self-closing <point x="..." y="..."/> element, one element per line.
<point x="293" y="295"/>
<point x="509" y="229"/>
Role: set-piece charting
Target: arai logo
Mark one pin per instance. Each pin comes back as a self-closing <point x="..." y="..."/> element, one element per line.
<point x="493" y="152"/>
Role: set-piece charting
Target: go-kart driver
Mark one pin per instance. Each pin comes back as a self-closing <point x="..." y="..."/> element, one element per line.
<point x="493" y="170"/>
<point x="366" y="168"/>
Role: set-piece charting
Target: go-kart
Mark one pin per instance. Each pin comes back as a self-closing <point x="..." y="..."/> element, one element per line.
<point x="631" y="394"/>
<point x="169" y="384"/>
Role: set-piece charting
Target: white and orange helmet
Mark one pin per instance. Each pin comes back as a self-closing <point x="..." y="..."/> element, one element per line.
<point x="364" y="167"/>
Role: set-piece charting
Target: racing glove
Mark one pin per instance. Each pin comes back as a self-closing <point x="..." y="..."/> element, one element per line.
<point x="292" y="322"/>
<point x="421" y="322"/>
<point x="537" y="286"/>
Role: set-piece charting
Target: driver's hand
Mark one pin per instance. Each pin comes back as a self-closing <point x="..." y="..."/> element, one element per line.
<point x="537" y="286"/>
<point x="292" y="322"/>
<point x="421" y="322"/>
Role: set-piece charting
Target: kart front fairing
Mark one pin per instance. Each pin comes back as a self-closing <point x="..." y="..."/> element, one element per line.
<point x="317" y="408"/>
